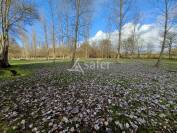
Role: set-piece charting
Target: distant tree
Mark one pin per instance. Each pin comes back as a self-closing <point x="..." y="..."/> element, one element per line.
<point x="149" y="49"/>
<point x="14" y="13"/>
<point x="85" y="49"/>
<point x="127" y="45"/>
<point x="105" y="46"/>
<point x="139" y="46"/>
<point x="15" y="51"/>
<point x="94" y="51"/>
<point x="171" y="40"/>
<point x="25" y="41"/>
<point x="34" y="43"/>
<point x="65" y="23"/>
<point x="44" y="25"/>
<point x="135" y="35"/>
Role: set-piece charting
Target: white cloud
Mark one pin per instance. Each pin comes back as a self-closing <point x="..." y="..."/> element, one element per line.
<point x="148" y="33"/>
<point x="99" y="36"/>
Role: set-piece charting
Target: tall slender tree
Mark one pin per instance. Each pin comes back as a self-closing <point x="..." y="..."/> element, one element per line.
<point x="171" y="40"/>
<point x="34" y="43"/>
<point x="120" y="27"/>
<point x="53" y="26"/>
<point x="44" y="25"/>
<point x="167" y="12"/>
<point x="82" y="9"/>
<point x="119" y="10"/>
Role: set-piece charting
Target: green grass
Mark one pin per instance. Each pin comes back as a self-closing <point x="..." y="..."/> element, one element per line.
<point x="33" y="61"/>
<point x="170" y="65"/>
<point x="27" y="67"/>
<point x="6" y="73"/>
<point x="5" y="128"/>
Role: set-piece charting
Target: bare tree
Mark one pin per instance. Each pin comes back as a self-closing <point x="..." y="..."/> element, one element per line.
<point x="105" y="46"/>
<point x="119" y="12"/>
<point x="25" y="41"/>
<point x="14" y="13"/>
<point x="128" y="45"/>
<point x="64" y="18"/>
<point x="136" y="36"/>
<point x="140" y="46"/>
<point x="77" y="8"/>
<point x="82" y="8"/>
<point x="171" y="40"/>
<point x="149" y="49"/>
<point x="166" y="10"/>
<point x="53" y="32"/>
<point x="84" y="49"/>
<point x="44" y="24"/>
<point x="34" y="43"/>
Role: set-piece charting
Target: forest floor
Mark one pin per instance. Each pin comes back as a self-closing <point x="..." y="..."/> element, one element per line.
<point x="124" y="96"/>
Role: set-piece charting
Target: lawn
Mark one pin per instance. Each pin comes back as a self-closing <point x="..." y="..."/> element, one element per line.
<point x="129" y="96"/>
<point x="27" y="67"/>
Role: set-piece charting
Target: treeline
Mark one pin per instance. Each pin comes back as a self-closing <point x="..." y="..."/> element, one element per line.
<point x="64" y="24"/>
<point x="100" y="49"/>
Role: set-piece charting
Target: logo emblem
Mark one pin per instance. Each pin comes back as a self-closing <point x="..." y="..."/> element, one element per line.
<point x="76" y="67"/>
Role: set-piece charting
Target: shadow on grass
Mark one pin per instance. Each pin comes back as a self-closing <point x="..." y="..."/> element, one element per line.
<point x="21" y="69"/>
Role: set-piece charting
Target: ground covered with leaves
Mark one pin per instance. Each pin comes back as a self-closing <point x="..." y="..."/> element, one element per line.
<point x="127" y="97"/>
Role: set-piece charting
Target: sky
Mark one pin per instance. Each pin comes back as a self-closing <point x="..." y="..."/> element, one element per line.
<point x="100" y="23"/>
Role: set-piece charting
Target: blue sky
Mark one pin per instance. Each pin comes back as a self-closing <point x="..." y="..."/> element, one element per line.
<point x="99" y="20"/>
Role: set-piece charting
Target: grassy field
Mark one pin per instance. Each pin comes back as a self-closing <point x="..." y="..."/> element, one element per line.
<point x="26" y="67"/>
<point x="130" y="96"/>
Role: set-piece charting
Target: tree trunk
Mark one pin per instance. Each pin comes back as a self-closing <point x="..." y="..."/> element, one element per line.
<point x="5" y="6"/>
<point x="53" y="40"/>
<point x="120" y="29"/>
<point x="4" y="62"/>
<point x="76" y="30"/>
<point x="164" y="36"/>
<point x="74" y="53"/>
<point x="169" y="52"/>
<point x="46" y="39"/>
<point x="75" y="44"/>
<point x="138" y="53"/>
<point x="86" y="53"/>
